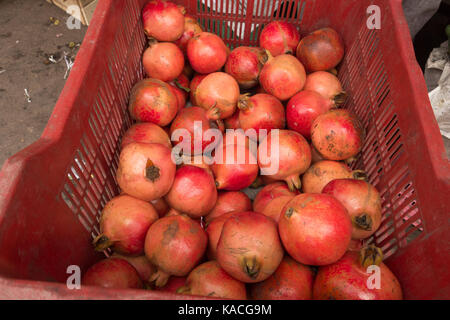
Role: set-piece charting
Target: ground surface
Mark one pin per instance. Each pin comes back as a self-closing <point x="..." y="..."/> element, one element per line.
<point x="26" y="37"/>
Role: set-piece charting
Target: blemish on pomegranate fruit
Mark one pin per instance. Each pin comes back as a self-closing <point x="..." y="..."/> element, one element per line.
<point x="170" y="233"/>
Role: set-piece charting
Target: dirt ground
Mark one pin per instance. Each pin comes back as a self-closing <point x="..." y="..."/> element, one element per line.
<point x="26" y="37"/>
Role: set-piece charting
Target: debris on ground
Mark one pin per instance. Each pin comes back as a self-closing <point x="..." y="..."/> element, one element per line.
<point x="27" y="95"/>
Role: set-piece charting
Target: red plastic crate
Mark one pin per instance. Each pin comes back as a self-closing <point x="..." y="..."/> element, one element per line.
<point x="51" y="193"/>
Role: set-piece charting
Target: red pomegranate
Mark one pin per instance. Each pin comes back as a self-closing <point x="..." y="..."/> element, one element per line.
<point x="315" y="229"/>
<point x="235" y="167"/>
<point x="207" y="52"/>
<point x="146" y="132"/>
<point x="279" y="37"/>
<point x="112" y="273"/>
<point x="245" y="65"/>
<point x="283" y="76"/>
<point x="188" y="131"/>
<point x="229" y="201"/>
<point x="349" y="278"/>
<point x="144" y="268"/>
<point x="191" y="29"/>
<point x="193" y="192"/>
<point x="163" y="61"/>
<point x="261" y="111"/>
<point x="327" y="85"/>
<point x="174" y="244"/>
<point x="198" y="160"/>
<point x="180" y="87"/>
<point x="214" y="230"/>
<point x="291" y="281"/>
<point x="321" y="50"/>
<point x="163" y="20"/>
<point x="233" y="121"/>
<point x="218" y="93"/>
<point x="271" y="199"/>
<point x="123" y="225"/>
<point x="322" y="172"/>
<point x="302" y="109"/>
<point x="210" y="280"/>
<point x="145" y="170"/>
<point x="152" y="100"/>
<point x="285" y="159"/>
<point x="362" y="201"/>
<point x="193" y="87"/>
<point x="337" y="135"/>
<point x="160" y="206"/>
<point x="172" y="285"/>
<point x="249" y="247"/>
<point x="271" y="192"/>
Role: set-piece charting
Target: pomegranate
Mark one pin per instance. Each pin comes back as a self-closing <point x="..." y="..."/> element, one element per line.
<point x="337" y="135"/>
<point x="218" y="93"/>
<point x="180" y="87"/>
<point x="271" y="199"/>
<point x="249" y="248"/>
<point x="160" y="206"/>
<point x="328" y="86"/>
<point x="321" y="50"/>
<point x="210" y="280"/>
<point x="302" y="109"/>
<point x="193" y="192"/>
<point x="197" y="161"/>
<point x="146" y="132"/>
<point x="191" y="29"/>
<point x="152" y="100"/>
<point x="245" y="65"/>
<point x="279" y="37"/>
<point x="113" y="273"/>
<point x="322" y="172"/>
<point x="123" y="225"/>
<point x="229" y="201"/>
<point x="163" y="61"/>
<point x="163" y="20"/>
<point x="193" y="87"/>
<point x="283" y="76"/>
<point x="235" y="167"/>
<point x="207" y="52"/>
<point x="195" y="122"/>
<point x="291" y="281"/>
<point x="285" y="160"/>
<point x="315" y="229"/>
<point x="144" y="268"/>
<point x="262" y="111"/>
<point x="233" y="121"/>
<point x="174" y="244"/>
<point x="214" y="230"/>
<point x="173" y="284"/>
<point x="362" y="202"/>
<point x="144" y="170"/>
<point x="348" y="278"/>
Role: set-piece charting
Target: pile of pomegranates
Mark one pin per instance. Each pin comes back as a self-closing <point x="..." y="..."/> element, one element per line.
<point x="211" y="126"/>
